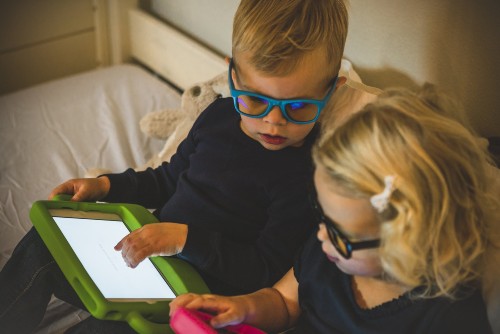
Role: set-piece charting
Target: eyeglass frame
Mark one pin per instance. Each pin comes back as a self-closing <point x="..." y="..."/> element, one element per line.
<point x="333" y="231"/>
<point x="235" y="93"/>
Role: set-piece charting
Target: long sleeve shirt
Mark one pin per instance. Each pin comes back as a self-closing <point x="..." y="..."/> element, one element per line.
<point x="328" y="304"/>
<point x="246" y="207"/>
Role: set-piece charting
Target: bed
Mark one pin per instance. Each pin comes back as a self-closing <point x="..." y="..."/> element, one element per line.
<point x="60" y="129"/>
<point x="65" y="127"/>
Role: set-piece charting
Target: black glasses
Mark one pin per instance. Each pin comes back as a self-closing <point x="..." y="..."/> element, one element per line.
<point x="338" y="239"/>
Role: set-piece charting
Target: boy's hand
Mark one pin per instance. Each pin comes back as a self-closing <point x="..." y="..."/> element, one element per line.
<point x="91" y="189"/>
<point x="158" y="239"/>
<point x="228" y="310"/>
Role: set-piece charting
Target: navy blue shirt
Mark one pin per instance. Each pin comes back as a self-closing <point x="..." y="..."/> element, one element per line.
<point x="328" y="305"/>
<point x="246" y="207"/>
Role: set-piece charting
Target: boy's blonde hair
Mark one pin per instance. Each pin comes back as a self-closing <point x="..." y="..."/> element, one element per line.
<point x="277" y="34"/>
<point x="433" y="232"/>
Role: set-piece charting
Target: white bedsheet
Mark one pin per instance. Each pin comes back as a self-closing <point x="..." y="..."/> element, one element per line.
<point x="59" y="130"/>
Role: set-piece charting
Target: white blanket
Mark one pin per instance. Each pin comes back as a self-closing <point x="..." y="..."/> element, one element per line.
<point x="56" y="131"/>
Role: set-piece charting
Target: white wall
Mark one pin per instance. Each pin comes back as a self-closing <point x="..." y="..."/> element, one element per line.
<point x="452" y="43"/>
<point x="211" y="22"/>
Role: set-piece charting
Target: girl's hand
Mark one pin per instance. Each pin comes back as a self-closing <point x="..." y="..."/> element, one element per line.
<point x="227" y="310"/>
<point x="91" y="189"/>
<point x="155" y="239"/>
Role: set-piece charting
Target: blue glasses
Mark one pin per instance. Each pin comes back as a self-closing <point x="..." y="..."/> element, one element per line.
<point x="298" y="111"/>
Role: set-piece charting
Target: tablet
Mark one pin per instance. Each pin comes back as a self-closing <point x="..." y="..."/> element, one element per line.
<point x="92" y="236"/>
<point x="81" y="237"/>
<point x="186" y="321"/>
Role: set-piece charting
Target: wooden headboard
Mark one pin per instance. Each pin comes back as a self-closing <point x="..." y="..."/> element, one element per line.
<point x="173" y="55"/>
<point x="61" y="38"/>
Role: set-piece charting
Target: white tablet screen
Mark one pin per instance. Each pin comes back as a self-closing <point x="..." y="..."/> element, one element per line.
<point x="93" y="242"/>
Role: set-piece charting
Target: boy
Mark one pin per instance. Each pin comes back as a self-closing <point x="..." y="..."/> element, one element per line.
<point x="233" y="200"/>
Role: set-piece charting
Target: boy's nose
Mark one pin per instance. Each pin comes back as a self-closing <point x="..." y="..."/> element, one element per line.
<point x="275" y="117"/>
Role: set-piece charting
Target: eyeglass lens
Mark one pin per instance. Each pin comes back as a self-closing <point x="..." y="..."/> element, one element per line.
<point x="297" y="111"/>
<point x="337" y="241"/>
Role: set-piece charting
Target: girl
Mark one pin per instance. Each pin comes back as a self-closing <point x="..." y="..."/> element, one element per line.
<point x="402" y="202"/>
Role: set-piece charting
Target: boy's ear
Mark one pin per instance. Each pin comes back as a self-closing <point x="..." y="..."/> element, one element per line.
<point x="340" y="82"/>
<point x="227" y="60"/>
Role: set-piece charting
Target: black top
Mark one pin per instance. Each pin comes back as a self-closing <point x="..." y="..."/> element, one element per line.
<point x="247" y="207"/>
<point x="328" y="305"/>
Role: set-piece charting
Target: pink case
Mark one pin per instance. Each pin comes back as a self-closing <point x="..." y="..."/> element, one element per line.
<point x="185" y="321"/>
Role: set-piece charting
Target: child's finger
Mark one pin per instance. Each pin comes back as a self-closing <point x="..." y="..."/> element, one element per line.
<point x="182" y="301"/>
<point x="125" y="250"/>
<point x="64" y="188"/>
<point x="119" y="245"/>
<point x="83" y="190"/>
<point x="134" y="257"/>
<point x="225" y="319"/>
<point x="132" y="249"/>
<point x="225" y="310"/>
<point x="206" y="302"/>
<point x="77" y="197"/>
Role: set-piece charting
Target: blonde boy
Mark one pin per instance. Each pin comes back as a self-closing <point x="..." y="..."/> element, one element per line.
<point x="233" y="199"/>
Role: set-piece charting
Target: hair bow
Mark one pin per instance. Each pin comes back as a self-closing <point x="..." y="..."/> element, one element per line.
<point x="381" y="200"/>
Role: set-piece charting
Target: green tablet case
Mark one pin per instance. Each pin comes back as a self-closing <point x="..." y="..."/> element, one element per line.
<point x="147" y="318"/>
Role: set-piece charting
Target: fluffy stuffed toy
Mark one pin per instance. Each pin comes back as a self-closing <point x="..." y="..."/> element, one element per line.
<point x="174" y="124"/>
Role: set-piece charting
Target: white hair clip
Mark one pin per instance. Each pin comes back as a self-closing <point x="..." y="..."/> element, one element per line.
<point x="381" y="200"/>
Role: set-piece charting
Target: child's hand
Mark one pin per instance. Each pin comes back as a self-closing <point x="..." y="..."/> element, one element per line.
<point x="91" y="189"/>
<point x="163" y="239"/>
<point x="228" y="310"/>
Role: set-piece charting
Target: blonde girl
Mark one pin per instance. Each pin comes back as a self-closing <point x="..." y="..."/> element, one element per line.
<point x="402" y="200"/>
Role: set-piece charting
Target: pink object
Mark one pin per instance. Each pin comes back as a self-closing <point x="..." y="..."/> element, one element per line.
<point x="185" y="321"/>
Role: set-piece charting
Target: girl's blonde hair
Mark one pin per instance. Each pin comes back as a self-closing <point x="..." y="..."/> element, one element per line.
<point x="433" y="232"/>
<point x="277" y="34"/>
